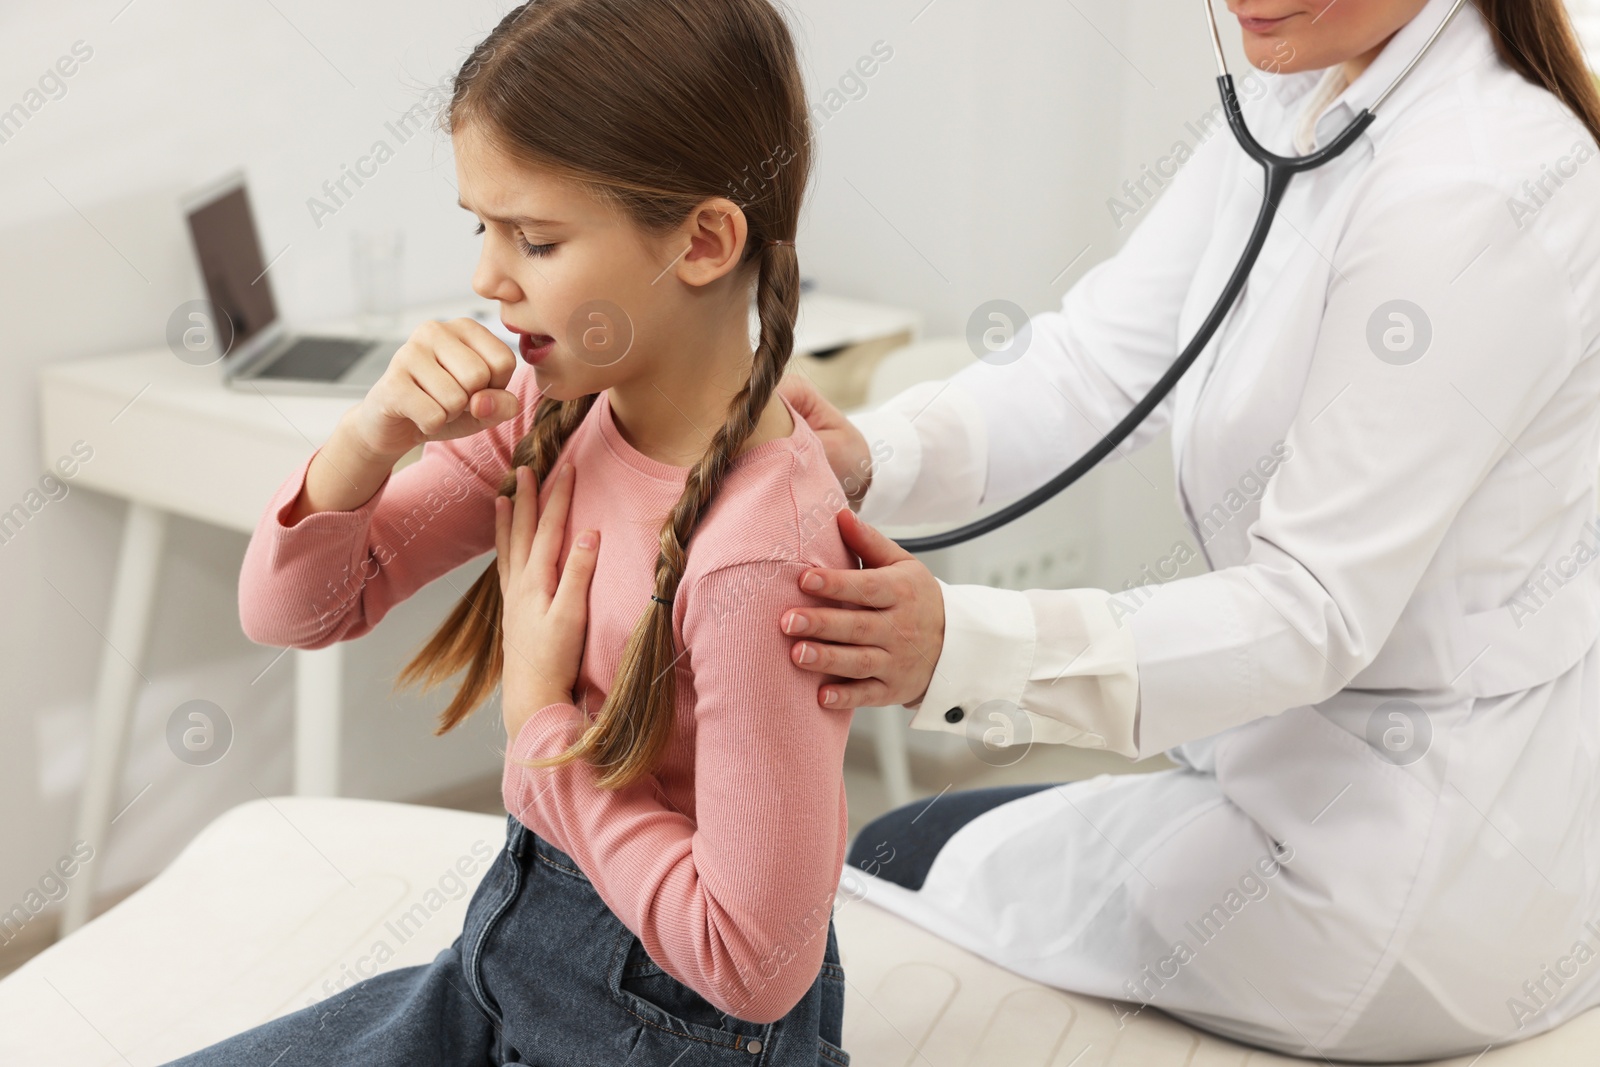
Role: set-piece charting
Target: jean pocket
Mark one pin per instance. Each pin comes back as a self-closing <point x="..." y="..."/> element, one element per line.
<point x="662" y="1002"/>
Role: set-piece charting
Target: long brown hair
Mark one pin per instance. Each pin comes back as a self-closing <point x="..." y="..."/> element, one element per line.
<point x="1535" y="38"/>
<point x="658" y="105"/>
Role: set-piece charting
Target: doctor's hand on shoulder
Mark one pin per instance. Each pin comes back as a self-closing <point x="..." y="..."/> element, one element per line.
<point x="888" y="635"/>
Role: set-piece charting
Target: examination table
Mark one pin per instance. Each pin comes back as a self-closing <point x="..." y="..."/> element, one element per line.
<point x="279" y="902"/>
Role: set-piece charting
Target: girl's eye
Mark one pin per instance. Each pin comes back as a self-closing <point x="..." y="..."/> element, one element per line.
<point x="533" y="250"/>
<point x="522" y="244"/>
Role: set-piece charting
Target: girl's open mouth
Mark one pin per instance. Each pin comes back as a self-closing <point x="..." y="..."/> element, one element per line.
<point x="534" y="347"/>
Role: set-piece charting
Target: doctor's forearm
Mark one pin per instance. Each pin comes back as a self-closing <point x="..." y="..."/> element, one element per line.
<point x="929" y="449"/>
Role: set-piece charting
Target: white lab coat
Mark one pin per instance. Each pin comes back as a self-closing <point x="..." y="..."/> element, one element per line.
<point x="1326" y="873"/>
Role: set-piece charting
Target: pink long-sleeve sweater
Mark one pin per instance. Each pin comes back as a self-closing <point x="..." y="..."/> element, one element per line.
<point x="724" y="861"/>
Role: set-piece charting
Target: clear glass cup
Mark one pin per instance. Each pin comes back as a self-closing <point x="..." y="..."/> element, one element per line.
<point x="377" y="258"/>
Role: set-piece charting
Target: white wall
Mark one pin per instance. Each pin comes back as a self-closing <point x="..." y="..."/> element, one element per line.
<point x="977" y="165"/>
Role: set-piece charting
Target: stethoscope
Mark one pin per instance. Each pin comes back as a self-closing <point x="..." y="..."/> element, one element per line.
<point x="1276" y="172"/>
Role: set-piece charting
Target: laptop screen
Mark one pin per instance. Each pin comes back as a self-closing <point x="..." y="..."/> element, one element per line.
<point x="225" y="243"/>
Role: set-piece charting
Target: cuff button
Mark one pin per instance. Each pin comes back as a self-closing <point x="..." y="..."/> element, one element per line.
<point x="954" y="715"/>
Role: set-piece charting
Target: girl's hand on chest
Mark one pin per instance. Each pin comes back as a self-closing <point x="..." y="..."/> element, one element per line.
<point x="545" y="606"/>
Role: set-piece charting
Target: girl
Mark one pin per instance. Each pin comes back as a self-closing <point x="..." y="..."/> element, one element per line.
<point x="677" y="822"/>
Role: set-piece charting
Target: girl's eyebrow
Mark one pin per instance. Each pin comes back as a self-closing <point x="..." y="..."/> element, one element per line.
<point x="515" y="220"/>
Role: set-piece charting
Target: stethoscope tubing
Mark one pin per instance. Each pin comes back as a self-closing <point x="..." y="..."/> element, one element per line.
<point x="1277" y="171"/>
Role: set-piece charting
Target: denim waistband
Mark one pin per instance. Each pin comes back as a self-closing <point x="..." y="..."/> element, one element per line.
<point x="523" y="843"/>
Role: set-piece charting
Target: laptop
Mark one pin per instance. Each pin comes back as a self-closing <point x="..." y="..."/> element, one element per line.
<point x="264" y="355"/>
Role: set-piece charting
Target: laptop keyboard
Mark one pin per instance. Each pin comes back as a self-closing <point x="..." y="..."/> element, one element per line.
<point x="317" y="359"/>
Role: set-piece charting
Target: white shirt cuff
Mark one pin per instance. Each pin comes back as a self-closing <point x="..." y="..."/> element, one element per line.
<point x="1049" y="666"/>
<point x="988" y="647"/>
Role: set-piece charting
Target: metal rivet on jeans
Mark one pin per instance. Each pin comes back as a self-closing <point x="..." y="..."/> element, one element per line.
<point x="753" y="1047"/>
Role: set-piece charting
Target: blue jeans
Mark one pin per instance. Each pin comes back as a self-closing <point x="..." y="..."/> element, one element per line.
<point x="542" y="974"/>
<point x="901" y="845"/>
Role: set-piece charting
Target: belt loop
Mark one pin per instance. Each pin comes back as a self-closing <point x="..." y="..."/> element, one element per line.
<point x="516" y="836"/>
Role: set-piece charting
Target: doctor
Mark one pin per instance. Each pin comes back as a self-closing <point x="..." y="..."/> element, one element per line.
<point x="1382" y="838"/>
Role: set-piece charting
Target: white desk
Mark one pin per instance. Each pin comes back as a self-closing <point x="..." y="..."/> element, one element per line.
<point x="173" y="440"/>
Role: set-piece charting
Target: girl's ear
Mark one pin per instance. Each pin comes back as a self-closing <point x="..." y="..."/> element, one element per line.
<point x="716" y="234"/>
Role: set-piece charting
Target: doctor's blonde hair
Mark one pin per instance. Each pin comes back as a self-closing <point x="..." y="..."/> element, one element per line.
<point x="658" y="106"/>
